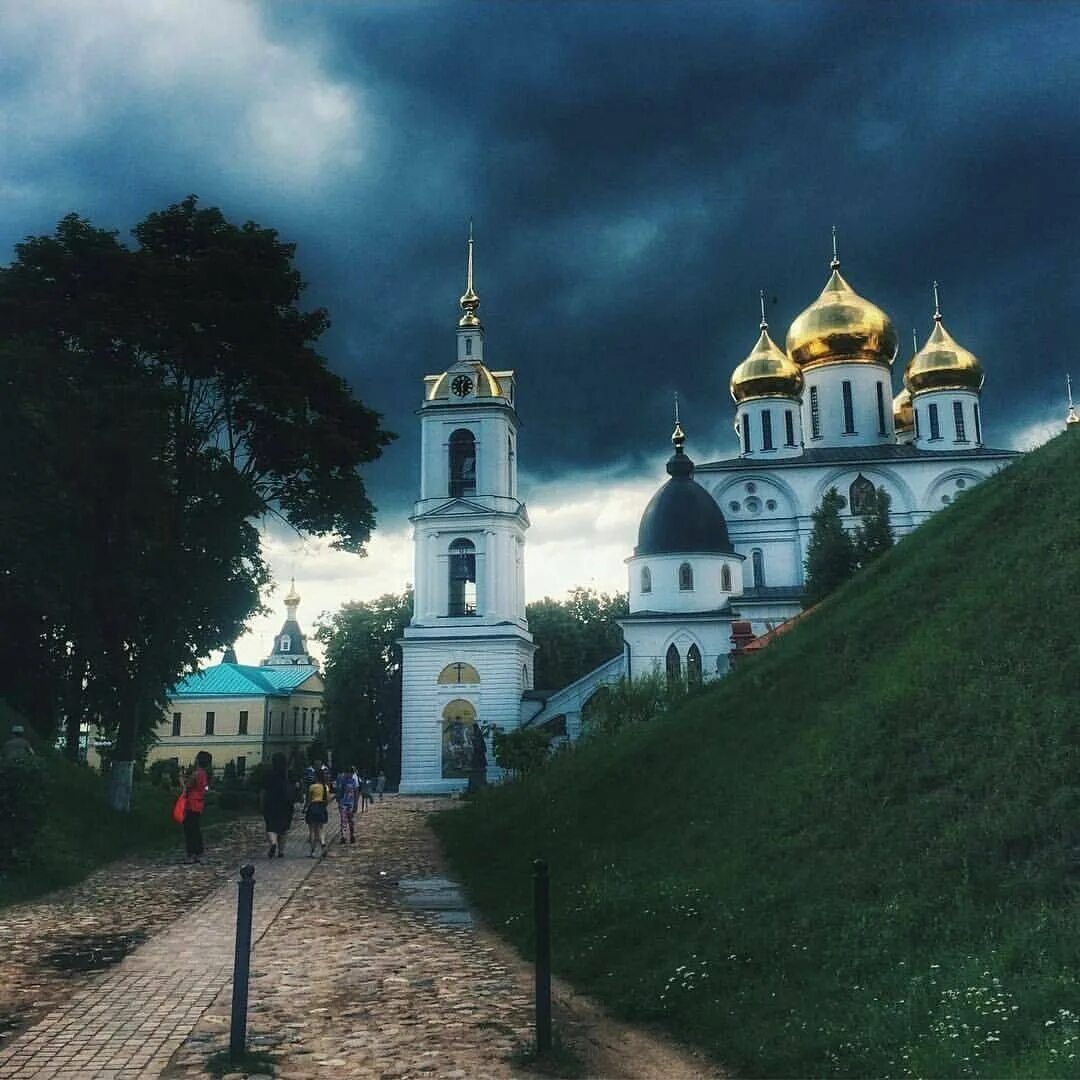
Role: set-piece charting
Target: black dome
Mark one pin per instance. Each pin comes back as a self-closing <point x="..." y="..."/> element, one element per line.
<point x="682" y="516"/>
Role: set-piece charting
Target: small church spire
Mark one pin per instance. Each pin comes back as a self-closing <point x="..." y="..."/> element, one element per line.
<point x="678" y="436"/>
<point x="1071" y="417"/>
<point x="914" y="340"/>
<point x="764" y="322"/>
<point x="937" y="304"/>
<point x="292" y="600"/>
<point x="835" y="264"/>
<point x="469" y="301"/>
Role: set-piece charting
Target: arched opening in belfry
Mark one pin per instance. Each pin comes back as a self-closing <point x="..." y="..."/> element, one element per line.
<point x="462" y="463"/>
<point x="462" y="579"/>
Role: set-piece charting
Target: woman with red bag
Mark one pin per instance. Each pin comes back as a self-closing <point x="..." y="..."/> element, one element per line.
<point x="194" y="788"/>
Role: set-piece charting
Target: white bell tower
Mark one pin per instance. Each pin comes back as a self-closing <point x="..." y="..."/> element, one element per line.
<point x="467" y="655"/>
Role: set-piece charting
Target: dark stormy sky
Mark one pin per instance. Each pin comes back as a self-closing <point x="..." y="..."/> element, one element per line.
<point x="635" y="171"/>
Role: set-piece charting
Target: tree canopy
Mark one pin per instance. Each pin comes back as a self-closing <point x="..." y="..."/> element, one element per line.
<point x="874" y="536"/>
<point x="158" y="400"/>
<point x="830" y="553"/>
<point x="362" y="700"/>
<point x="574" y="635"/>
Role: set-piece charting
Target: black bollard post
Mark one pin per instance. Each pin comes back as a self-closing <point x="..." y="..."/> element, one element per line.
<point x="244" y="903"/>
<point x="542" y="906"/>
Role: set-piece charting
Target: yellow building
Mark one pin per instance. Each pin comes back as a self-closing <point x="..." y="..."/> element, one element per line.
<point x="245" y="714"/>
<point x="241" y="714"/>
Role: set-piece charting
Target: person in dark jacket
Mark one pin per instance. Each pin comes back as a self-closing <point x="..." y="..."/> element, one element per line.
<point x="277" y="805"/>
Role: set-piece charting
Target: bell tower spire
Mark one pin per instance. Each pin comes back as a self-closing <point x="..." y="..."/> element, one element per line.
<point x="469" y="301"/>
<point x="470" y="330"/>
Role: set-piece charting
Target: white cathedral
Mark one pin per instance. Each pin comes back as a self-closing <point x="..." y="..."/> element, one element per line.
<point x="718" y="543"/>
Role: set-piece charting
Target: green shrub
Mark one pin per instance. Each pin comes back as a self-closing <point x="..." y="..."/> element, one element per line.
<point x="164" y="773"/>
<point x="24" y="799"/>
<point x="522" y="750"/>
<point x="631" y="701"/>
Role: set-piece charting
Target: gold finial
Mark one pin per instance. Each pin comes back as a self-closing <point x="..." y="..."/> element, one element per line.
<point x="764" y="322"/>
<point x="469" y="300"/>
<point x="293" y="596"/>
<point x="937" y="304"/>
<point x="835" y="264"/>
<point x="678" y="437"/>
<point x="914" y="340"/>
<point x="1071" y="416"/>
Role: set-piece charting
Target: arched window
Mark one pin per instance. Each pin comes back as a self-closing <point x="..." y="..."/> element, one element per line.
<point x="525" y="676"/>
<point x="459" y="673"/>
<point x="674" y="664"/>
<point x="462" y="584"/>
<point x="462" y="463"/>
<point x="861" y="495"/>
<point x="468" y="346"/>
<point x="693" y="666"/>
<point x="757" y="561"/>
<point x="458" y="722"/>
<point x="286" y="643"/>
<point x="725" y="578"/>
<point x="646" y="579"/>
<point x="686" y="577"/>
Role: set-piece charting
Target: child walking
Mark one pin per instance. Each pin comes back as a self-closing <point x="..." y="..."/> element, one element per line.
<point x="316" y="811"/>
<point x="347" y="791"/>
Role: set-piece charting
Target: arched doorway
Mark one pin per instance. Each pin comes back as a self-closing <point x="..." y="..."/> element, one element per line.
<point x="458" y="722"/>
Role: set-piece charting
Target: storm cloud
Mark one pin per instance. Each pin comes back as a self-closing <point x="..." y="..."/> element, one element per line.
<point x="635" y="171"/>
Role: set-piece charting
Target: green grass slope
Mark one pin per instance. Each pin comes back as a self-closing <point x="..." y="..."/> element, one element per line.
<point x="858" y="855"/>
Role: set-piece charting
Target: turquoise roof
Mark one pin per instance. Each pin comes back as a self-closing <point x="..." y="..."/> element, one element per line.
<point x="242" y="680"/>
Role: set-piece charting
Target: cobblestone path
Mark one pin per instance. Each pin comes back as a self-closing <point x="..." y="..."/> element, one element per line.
<point x="128" y="1021"/>
<point x="351" y="983"/>
<point x="347" y="979"/>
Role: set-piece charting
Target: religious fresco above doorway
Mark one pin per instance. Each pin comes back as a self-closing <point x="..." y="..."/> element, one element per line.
<point x="458" y="723"/>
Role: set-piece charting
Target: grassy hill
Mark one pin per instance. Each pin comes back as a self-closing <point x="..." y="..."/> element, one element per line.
<point x="859" y="854"/>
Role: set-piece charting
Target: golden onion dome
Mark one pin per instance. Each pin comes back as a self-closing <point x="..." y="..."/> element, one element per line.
<point x="293" y="596"/>
<point x="841" y="327"/>
<point x="942" y="364"/>
<point x="903" y="412"/>
<point x="766" y="372"/>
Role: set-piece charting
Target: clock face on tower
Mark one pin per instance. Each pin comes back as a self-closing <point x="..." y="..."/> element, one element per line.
<point x="462" y="385"/>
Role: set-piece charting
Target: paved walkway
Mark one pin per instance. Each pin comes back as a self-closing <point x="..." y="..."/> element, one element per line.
<point x="366" y="964"/>
<point x="129" y="1021"/>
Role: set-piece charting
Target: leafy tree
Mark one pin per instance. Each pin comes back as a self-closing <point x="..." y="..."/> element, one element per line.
<point x="574" y="635"/>
<point x="830" y="554"/>
<point x="874" y="536"/>
<point x="158" y="401"/>
<point x="362" y="701"/>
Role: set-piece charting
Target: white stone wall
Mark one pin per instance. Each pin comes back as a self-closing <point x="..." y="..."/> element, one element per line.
<point x="504" y="663"/>
<point x="948" y="435"/>
<point x="649" y="642"/>
<point x="493" y="424"/>
<point x="777" y="408"/>
<point x="775" y="516"/>
<point x="708" y="592"/>
<point x="864" y="378"/>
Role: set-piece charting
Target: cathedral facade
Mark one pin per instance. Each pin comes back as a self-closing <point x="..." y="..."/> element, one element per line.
<point x="718" y="542"/>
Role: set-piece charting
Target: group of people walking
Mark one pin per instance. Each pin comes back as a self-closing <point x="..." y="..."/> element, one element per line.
<point x="353" y="794"/>
<point x="279" y="796"/>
